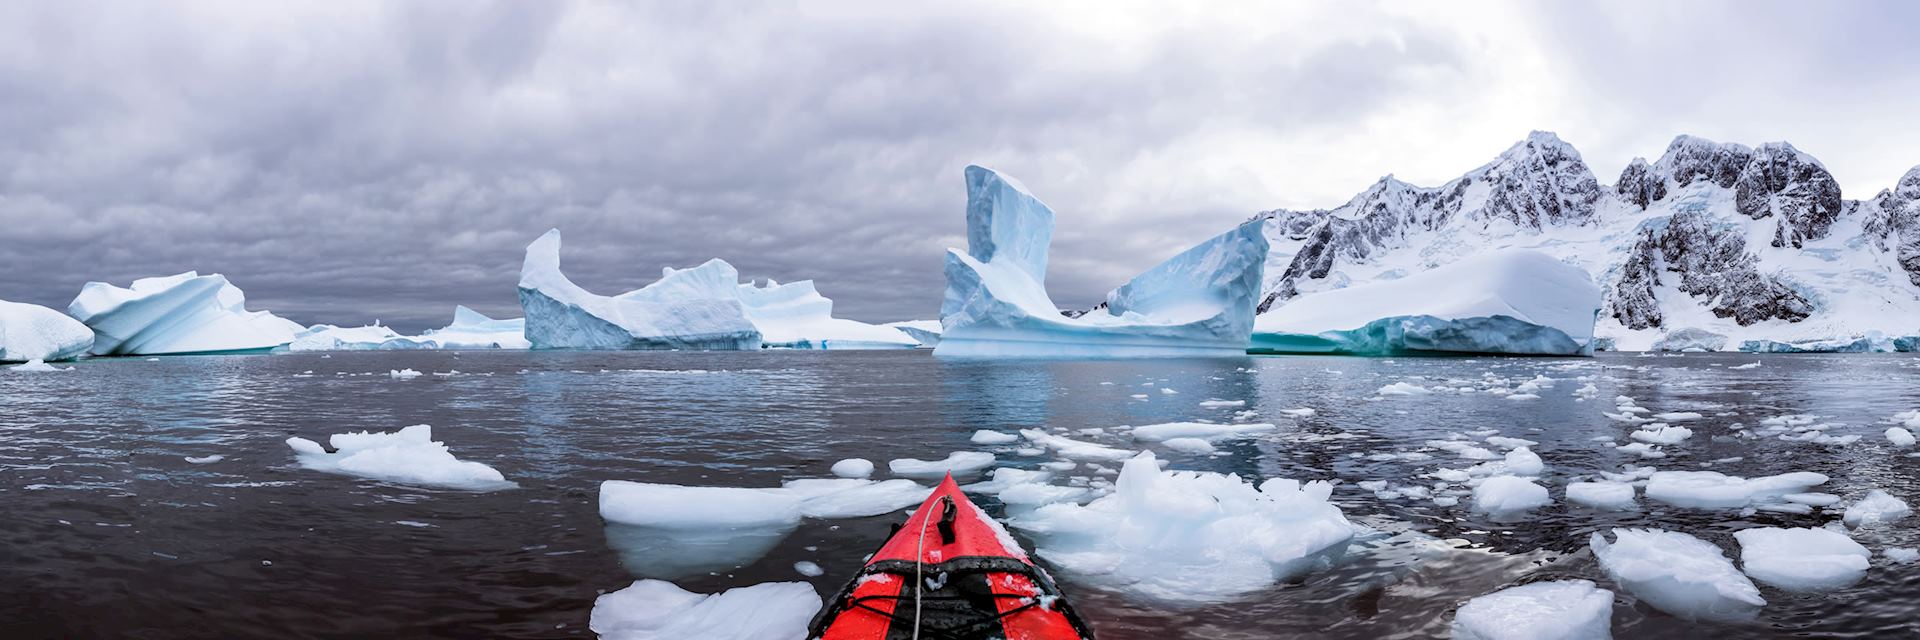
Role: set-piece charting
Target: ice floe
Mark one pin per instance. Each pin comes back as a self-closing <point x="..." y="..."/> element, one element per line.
<point x="1190" y="535"/>
<point x="1201" y="430"/>
<point x="1875" y="507"/>
<point x="659" y="610"/>
<point x="1802" y="559"/>
<point x="853" y="468"/>
<point x="1509" y="495"/>
<point x="1679" y="574"/>
<point x="1714" y="490"/>
<point x="1558" y="610"/>
<point x="407" y="456"/>
<point x="958" y="463"/>
<point x="1607" y="496"/>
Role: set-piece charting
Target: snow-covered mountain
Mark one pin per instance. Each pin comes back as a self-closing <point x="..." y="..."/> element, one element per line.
<point x="1752" y="244"/>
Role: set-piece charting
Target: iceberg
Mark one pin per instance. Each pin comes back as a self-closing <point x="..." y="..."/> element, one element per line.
<point x="1559" y="610"/>
<point x="179" y="314"/>
<point x="1512" y="301"/>
<point x="796" y="316"/>
<point x="659" y="610"/>
<point x="1198" y="303"/>
<point x="326" y="337"/>
<point x="561" y="315"/>
<point x="1714" y="490"/>
<point x="472" y="330"/>
<point x="926" y="332"/>
<point x="31" y="332"/>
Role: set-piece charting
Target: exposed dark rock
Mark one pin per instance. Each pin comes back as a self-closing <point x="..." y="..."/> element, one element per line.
<point x="1630" y="299"/>
<point x="1781" y="181"/>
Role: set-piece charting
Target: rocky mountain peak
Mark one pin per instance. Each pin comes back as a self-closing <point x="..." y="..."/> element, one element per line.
<point x="1780" y="180"/>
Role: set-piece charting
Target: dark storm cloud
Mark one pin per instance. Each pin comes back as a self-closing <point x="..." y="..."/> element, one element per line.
<point x="347" y="161"/>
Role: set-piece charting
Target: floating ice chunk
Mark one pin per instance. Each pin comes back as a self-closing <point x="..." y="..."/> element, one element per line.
<point x="658" y="610"/>
<point x="1876" y="506"/>
<point x="1643" y="449"/>
<point x="1215" y="404"/>
<point x="402" y="374"/>
<point x="1168" y="392"/>
<point x="1678" y="416"/>
<point x="1751" y="365"/>
<point x="1003" y="478"/>
<point x="1191" y="536"/>
<point x="1200" y="302"/>
<point x="958" y="463"/>
<point x="1403" y="389"/>
<point x="1677" y="573"/>
<point x="1509" y="443"/>
<point x="185" y="313"/>
<point x="1524" y="462"/>
<point x="206" y="459"/>
<point x="1038" y="493"/>
<point x="682" y="310"/>
<point x="833" y="498"/>
<point x="1812" y="499"/>
<point x="408" y="456"/>
<point x="1608" y="496"/>
<point x="1202" y="430"/>
<point x="808" y="569"/>
<point x="1523" y="396"/>
<point x="1900" y="437"/>
<point x="985" y="436"/>
<point x="31" y="332"/>
<point x="1189" y="445"/>
<point x="670" y="506"/>
<point x="853" y="468"/>
<point x="1560" y="610"/>
<point x="1802" y="559"/>
<point x="1909" y="419"/>
<point x="1075" y="449"/>
<point x="1463" y="449"/>
<point x="1297" y="413"/>
<point x="1902" y="555"/>
<point x="1509" y="495"/>
<point x="1713" y="490"/>
<point x="36" y="366"/>
<point x="1506" y="301"/>
<point x="1662" y="434"/>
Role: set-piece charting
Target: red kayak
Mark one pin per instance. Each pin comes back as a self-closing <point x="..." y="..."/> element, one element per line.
<point x="951" y="573"/>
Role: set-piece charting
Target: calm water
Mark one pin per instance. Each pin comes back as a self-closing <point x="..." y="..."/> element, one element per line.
<point x="106" y="531"/>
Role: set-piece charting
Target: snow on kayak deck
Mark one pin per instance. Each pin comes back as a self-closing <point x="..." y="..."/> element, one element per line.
<point x="408" y="456"/>
<point x="1804" y="560"/>
<point x="1560" y="610"/>
<point x="1190" y="536"/>
<point x="659" y="610"/>
<point x="1677" y="573"/>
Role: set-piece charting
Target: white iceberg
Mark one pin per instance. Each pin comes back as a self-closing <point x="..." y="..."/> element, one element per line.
<point x="1713" y="490"/>
<point x="1190" y="536"/>
<point x="926" y="332"/>
<point x="1509" y="301"/>
<point x="325" y="337"/>
<point x="1606" y="496"/>
<point x="1560" y="610"/>
<point x="185" y="313"/>
<point x="659" y="610"/>
<point x="1804" y="560"/>
<point x="1877" y="506"/>
<point x="663" y="315"/>
<point x="1198" y="303"/>
<point x="473" y="330"/>
<point x="1502" y="496"/>
<point x="409" y="456"/>
<point x="1202" y="430"/>
<point x="1677" y="573"/>
<point x="669" y="531"/>
<point x="795" y="316"/>
<point x="31" y="332"/>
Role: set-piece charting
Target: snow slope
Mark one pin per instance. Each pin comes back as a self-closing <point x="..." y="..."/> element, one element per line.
<point x="1751" y="244"/>
<point x="561" y="315"/>
<point x="1200" y="302"/>
<point x="185" y="313"/>
<point x="1502" y="301"/>
<point x="31" y="332"/>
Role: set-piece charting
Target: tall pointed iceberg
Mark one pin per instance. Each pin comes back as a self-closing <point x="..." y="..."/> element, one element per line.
<point x="677" y="312"/>
<point x="1198" y="303"/>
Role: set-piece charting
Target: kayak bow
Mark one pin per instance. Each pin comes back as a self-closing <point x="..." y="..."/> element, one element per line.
<point x="951" y="573"/>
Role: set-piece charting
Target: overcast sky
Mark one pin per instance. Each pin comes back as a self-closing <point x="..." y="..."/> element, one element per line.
<point x="346" y="161"/>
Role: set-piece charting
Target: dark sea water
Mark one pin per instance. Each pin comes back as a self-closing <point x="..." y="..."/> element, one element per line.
<point x="106" y="531"/>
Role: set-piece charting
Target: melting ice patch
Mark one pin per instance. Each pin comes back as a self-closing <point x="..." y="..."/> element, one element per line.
<point x="408" y="456"/>
<point x="659" y="610"/>
<point x="1560" y="610"/>
<point x="1189" y="536"/>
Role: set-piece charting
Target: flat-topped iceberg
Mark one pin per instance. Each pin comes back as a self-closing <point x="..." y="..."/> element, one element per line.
<point x="1805" y="560"/>
<point x="561" y="315"/>
<point x="185" y="313"/>
<point x="473" y="330"/>
<point x="1198" y="303"/>
<point x="326" y="337"/>
<point x="1510" y="301"/>
<point x="796" y="316"/>
<point x="31" y="332"/>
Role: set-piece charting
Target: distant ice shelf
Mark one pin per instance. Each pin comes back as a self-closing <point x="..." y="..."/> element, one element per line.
<point x="1198" y="303"/>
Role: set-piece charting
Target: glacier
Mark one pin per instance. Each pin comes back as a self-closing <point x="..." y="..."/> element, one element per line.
<point x="30" y="332"/>
<point x="1512" y="301"/>
<point x="1713" y="246"/>
<point x="561" y="315"/>
<point x="1197" y="303"/>
<point x="178" y="314"/>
